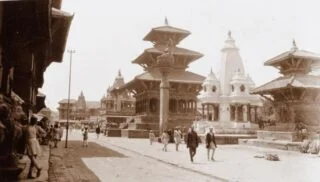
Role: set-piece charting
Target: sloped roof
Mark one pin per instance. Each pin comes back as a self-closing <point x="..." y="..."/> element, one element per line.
<point x="300" y="81"/>
<point x="165" y="30"/>
<point x="93" y="104"/>
<point x="295" y="54"/>
<point x="65" y="101"/>
<point x="178" y="76"/>
<point x="177" y="51"/>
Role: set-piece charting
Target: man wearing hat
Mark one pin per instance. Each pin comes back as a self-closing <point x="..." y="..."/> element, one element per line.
<point x="192" y="143"/>
<point x="211" y="143"/>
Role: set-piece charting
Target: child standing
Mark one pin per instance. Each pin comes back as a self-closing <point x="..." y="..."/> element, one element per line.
<point x="85" y="137"/>
<point x="151" y="137"/>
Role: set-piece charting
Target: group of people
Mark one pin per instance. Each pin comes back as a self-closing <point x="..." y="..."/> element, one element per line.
<point x="19" y="136"/>
<point x="55" y="134"/>
<point x="192" y="141"/>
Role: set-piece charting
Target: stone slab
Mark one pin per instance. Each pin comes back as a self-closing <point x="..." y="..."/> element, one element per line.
<point x="279" y="144"/>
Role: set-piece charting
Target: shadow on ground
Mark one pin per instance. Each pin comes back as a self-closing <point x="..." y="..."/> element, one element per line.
<point x="66" y="163"/>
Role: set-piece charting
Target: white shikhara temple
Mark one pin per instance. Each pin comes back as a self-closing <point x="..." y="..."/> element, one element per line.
<point x="227" y="99"/>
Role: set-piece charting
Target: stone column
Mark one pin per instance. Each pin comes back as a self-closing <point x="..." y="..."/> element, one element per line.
<point x="164" y="102"/>
<point x="255" y="114"/>
<point x="207" y="112"/>
<point x="236" y="113"/>
<point x="245" y="113"/>
<point x="213" y="112"/>
<point x="148" y="106"/>
<point x="202" y="111"/>
<point x="177" y="106"/>
<point x="249" y="112"/>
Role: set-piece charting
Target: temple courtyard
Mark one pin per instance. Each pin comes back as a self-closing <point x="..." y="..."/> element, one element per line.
<point x="122" y="159"/>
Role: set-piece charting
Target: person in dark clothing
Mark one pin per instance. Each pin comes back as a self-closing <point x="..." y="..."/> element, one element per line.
<point x="211" y="144"/>
<point x="98" y="130"/>
<point x="192" y="143"/>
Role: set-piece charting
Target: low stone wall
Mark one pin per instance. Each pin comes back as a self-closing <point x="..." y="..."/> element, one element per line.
<point x="137" y="133"/>
<point x="282" y="145"/>
<point x="277" y="135"/>
<point x="228" y="139"/>
<point x="114" y="132"/>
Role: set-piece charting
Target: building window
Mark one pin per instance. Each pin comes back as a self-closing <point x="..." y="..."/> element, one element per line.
<point x="242" y="88"/>
<point x="232" y="88"/>
<point x="214" y="88"/>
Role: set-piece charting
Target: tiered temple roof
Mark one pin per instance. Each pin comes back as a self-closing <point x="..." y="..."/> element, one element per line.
<point x="161" y="37"/>
<point x="295" y="65"/>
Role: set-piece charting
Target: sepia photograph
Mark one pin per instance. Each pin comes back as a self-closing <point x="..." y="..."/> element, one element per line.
<point x="159" y="91"/>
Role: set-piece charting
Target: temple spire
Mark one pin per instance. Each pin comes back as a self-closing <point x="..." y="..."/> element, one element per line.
<point x="294" y="45"/>
<point x="211" y="70"/>
<point x="81" y="93"/>
<point x="119" y="73"/>
<point x="229" y="34"/>
<point x="166" y="22"/>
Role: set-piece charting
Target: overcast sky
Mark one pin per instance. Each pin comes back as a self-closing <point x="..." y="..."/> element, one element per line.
<point x="107" y="35"/>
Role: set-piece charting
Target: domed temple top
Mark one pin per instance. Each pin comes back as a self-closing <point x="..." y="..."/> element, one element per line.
<point x="230" y="43"/>
<point x="231" y="61"/>
<point x="119" y="81"/>
<point x="211" y="79"/>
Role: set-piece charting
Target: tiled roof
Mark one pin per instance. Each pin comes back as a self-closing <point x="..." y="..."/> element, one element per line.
<point x="177" y="51"/>
<point x="65" y="101"/>
<point x="302" y="81"/>
<point x="166" y="29"/>
<point x="296" y="54"/>
<point x="183" y="76"/>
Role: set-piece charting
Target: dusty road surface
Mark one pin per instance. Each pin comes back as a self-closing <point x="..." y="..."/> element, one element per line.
<point x="104" y="162"/>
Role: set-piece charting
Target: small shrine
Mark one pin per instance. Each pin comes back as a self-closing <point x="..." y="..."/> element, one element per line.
<point x="226" y="101"/>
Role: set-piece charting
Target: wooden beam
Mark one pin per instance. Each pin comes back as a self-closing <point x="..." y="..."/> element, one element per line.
<point x="303" y="94"/>
<point x="145" y="86"/>
<point x="266" y="97"/>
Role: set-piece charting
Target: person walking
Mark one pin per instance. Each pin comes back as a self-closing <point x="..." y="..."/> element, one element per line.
<point x="33" y="146"/>
<point x="177" y="138"/>
<point x="85" y="137"/>
<point x="98" y="130"/>
<point x="192" y="143"/>
<point x="151" y="136"/>
<point x="165" y="140"/>
<point x="211" y="144"/>
<point x="56" y="135"/>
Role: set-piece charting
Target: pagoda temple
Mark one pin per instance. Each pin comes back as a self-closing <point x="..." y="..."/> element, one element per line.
<point x="184" y="85"/>
<point x="296" y="94"/>
<point x="227" y="100"/>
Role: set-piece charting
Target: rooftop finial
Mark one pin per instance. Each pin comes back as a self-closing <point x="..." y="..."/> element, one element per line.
<point x="119" y="73"/>
<point x="211" y="70"/>
<point x="166" y="21"/>
<point x="229" y="34"/>
<point x="294" y="45"/>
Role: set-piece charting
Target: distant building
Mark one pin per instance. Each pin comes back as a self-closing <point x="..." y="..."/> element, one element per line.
<point x="118" y="106"/>
<point x="79" y="109"/>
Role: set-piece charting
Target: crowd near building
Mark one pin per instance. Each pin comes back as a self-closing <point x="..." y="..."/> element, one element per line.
<point x="33" y="35"/>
